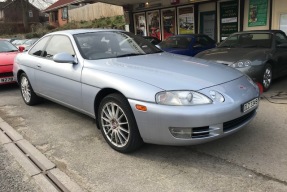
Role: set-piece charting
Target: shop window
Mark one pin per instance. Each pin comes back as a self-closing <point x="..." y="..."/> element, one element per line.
<point x="185" y="20"/>
<point x="168" y="22"/>
<point x="140" y="24"/>
<point x="153" y="24"/>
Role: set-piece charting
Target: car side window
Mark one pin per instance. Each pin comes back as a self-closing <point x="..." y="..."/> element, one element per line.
<point x="280" y="38"/>
<point x="59" y="44"/>
<point x="37" y="50"/>
<point x="203" y="41"/>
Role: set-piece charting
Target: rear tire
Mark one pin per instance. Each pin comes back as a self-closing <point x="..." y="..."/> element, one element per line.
<point x="267" y="77"/>
<point x="27" y="92"/>
<point x="118" y="124"/>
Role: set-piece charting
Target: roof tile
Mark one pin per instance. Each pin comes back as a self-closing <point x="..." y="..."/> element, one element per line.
<point x="58" y="4"/>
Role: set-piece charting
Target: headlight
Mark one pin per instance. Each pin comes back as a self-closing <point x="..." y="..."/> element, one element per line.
<point x="241" y="64"/>
<point x="181" y="98"/>
<point x="217" y="96"/>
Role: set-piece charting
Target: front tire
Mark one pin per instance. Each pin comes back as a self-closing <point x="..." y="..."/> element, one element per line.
<point x="267" y="77"/>
<point x="27" y="92"/>
<point x="118" y="124"/>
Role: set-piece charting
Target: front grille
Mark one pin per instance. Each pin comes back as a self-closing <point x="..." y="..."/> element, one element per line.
<point x="199" y="132"/>
<point x="229" y="125"/>
<point x="9" y="74"/>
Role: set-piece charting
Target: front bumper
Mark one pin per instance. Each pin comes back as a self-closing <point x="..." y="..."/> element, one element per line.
<point x="254" y="72"/>
<point x="6" y="78"/>
<point x="216" y="120"/>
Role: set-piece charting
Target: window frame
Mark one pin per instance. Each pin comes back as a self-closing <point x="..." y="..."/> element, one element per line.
<point x="44" y="47"/>
<point x="65" y="10"/>
<point x="51" y="58"/>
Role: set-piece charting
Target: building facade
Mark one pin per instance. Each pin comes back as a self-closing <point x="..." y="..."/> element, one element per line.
<point x="216" y="18"/>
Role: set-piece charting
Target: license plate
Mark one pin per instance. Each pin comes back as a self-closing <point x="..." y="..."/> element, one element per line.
<point x="6" y="79"/>
<point x="250" y="105"/>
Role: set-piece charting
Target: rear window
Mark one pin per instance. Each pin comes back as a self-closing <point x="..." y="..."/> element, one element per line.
<point x="248" y="40"/>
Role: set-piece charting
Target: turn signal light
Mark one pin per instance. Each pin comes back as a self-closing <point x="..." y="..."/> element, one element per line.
<point x="141" y="107"/>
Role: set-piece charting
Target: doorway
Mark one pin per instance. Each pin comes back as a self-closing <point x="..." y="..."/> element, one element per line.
<point x="207" y="24"/>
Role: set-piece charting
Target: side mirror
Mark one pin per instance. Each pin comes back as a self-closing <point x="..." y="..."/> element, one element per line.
<point x="21" y="48"/>
<point x="64" y="58"/>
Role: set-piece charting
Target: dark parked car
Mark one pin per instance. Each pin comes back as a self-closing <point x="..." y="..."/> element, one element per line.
<point x="260" y="54"/>
<point x="188" y="44"/>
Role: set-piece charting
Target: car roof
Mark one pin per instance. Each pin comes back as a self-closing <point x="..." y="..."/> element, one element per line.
<point x="260" y="31"/>
<point x="78" y="31"/>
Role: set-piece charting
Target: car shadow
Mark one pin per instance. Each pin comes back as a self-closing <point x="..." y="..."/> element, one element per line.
<point x="8" y="87"/>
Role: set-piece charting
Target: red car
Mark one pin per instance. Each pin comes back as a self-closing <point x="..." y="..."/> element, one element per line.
<point x="7" y="55"/>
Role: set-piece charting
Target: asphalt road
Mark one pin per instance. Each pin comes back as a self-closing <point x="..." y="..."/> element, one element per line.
<point x="253" y="159"/>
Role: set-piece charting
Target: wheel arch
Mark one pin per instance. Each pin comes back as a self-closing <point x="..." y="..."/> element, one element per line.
<point x="19" y="73"/>
<point x="99" y="97"/>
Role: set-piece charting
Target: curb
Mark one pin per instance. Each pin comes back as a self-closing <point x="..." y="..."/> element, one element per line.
<point x="38" y="166"/>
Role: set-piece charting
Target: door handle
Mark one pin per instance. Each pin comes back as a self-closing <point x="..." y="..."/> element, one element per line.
<point x="39" y="66"/>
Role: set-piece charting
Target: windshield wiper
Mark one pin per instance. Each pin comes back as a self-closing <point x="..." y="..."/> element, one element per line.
<point x="11" y="51"/>
<point x="130" y="54"/>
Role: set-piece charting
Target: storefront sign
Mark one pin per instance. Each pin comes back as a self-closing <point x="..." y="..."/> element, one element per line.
<point x="228" y="18"/>
<point x="257" y="13"/>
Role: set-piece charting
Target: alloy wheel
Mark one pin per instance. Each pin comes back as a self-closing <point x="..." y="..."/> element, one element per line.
<point x="25" y="88"/>
<point x="267" y="77"/>
<point x="115" y="124"/>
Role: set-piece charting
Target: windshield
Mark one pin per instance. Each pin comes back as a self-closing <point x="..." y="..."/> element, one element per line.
<point x="176" y="42"/>
<point x="248" y="40"/>
<point x="103" y="44"/>
<point x="30" y="41"/>
<point x="6" y="46"/>
<point x="20" y="42"/>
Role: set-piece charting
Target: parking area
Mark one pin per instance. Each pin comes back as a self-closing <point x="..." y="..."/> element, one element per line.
<point x="253" y="159"/>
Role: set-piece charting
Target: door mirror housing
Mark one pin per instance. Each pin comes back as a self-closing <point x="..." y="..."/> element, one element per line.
<point x="21" y="48"/>
<point x="64" y="58"/>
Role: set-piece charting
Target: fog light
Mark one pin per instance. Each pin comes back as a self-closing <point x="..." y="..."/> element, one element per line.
<point x="181" y="132"/>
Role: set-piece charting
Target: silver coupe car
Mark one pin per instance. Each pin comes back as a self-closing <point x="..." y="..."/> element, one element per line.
<point x="136" y="92"/>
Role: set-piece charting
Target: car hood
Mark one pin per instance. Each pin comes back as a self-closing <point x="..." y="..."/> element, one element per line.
<point x="231" y="55"/>
<point x="7" y="58"/>
<point x="168" y="71"/>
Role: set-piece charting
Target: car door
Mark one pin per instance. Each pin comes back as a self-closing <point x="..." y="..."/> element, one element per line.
<point x="33" y="61"/>
<point x="280" y="54"/>
<point x="60" y="81"/>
